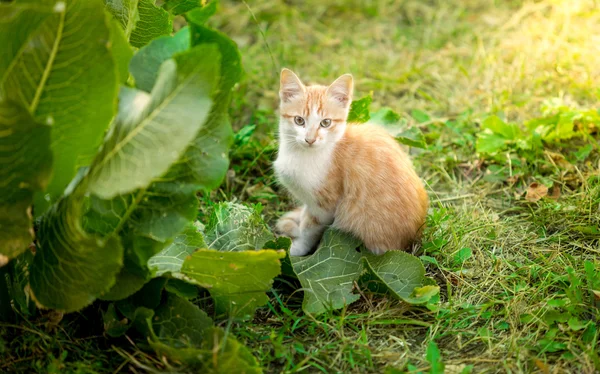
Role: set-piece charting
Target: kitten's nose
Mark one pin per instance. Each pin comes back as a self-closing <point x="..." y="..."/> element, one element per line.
<point x="310" y="141"/>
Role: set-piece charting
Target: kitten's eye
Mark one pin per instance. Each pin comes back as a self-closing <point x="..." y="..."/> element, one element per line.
<point x="326" y="123"/>
<point x="299" y="121"/>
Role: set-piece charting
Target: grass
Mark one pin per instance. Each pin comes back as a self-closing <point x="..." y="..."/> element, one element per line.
<point x="515" y="284"/>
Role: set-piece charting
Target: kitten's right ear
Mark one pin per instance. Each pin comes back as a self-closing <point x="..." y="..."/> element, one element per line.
<point x="290" y="86"/>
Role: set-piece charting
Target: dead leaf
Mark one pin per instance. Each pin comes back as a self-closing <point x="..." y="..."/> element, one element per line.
<point x="542" y="366"/>
<point x="535" y="192"/>
<point x="596" y="295"/>
<point x="555" y="194"/>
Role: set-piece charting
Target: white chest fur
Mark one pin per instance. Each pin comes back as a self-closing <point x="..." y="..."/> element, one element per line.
<point x="303" y="172"/>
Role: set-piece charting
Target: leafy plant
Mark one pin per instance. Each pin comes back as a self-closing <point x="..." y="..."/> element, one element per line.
<point x="109" y="145"/>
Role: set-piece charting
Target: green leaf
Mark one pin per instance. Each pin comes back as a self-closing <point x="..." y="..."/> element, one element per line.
<point x="25" y="167"/>
<point x="182" y="332"/>
<point x="126" y="284"/>
<point x="412" y="137"/>
<point x="359" y="110"/>
<point x="145" y="64"/>
<point x="121" y="51"/>
<point x="62" y="51"/>
<point x="26" y="18"/>
<point x="177" y="7"/>
<point x="205" y="162"/>
<point x="171" y="258"/>
<point x="328" y="276"/>
<point x="420" y="116"/>
<point x="114" y="325"/>
<point x="398" y="128"/>
<point x="152" y="131"/>
<point x="490" y="143"/>
<point x="181" y="288"/>
<point x="200" y="15"/>
<point x="237" y="281"/>
<point x="499" y="127"/>
<point x="463" y="255"/>
<point x="125" y="12"/>
<point x="402" y="274"/>
<point x="434" y="358"/>
<point x="235" y="227"/>
<point x="71" y="268"/>
<point x="153" y="22"/>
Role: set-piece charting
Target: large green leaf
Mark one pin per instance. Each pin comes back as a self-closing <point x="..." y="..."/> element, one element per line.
<point x="145" y="64"/>
<point x="237" y="281"/>
<point x="236" y="227"/>
<point x="328" y="276"/>
<point x="151" y="131"/>
<point x="403" y="275"/>
<point x="71" y="268"/>
<point x="25" y="166"/>
<point x="152" y="23"/>
<point x="26" y="18"/>
<point x="182" y="332"/>
<point x="199" y="16"/>
<point x="205" y="162"/>
<point x="170" y="259"/>
<point x="121" y="50"/>
<point x="177" y="7"/>
<point x="126" y="12"/>
<point x="398" y="128"/>
<point x="61" y="51"/>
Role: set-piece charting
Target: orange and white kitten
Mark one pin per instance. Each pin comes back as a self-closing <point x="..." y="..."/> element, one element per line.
<point x="354" y="177"/>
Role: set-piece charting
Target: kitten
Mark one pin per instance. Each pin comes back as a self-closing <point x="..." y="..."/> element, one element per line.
<point x="354" y="177"/>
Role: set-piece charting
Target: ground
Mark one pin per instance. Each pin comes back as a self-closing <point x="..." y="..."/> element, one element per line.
<point x="515" y="284"/>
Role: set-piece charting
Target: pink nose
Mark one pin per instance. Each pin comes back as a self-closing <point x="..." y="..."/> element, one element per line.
<point x="310" y="141"/>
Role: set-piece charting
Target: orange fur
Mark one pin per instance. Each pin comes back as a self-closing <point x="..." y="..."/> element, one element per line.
<point x="369" y="187"/>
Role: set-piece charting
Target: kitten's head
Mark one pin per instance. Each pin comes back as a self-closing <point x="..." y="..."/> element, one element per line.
<point x="313" y="116"/>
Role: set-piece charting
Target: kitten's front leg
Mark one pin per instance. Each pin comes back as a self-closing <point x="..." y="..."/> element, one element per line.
<point x="311" y="231"/>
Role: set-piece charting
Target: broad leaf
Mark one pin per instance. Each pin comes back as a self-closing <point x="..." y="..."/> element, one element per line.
<point x="62" y="51"/>
<point x="398" y="128"/>
<point x="26" y="18"/>
<point x="237" y="281"/>
<point x="199" y="16"/>
<point x="359" y="110"/>
<point x="25" y="166"/>
<point x="182" y="332"/>
<point x="205" y="162"/>
<point x="177" y="7"/>
<point x="152" y="131"/>
<point x="171" y="258"/>
<point x="121" y="51"/>
<point x="236" y="227"/>
<point x="152" y="23"/>
<point x="71" y="268"/>
<point x="328" y="276"/>
<point x="126" y="12"/>
<point x="490" y="143"/>
<point x="402" y="274"/>
<point x="145" y="64"/>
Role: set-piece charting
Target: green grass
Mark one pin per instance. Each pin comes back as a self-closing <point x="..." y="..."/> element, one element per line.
<point x="515" y="287"/>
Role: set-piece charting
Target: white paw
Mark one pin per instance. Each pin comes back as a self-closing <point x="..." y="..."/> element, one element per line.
<point x="299" y="249"/>
<point x="288" y="227"/>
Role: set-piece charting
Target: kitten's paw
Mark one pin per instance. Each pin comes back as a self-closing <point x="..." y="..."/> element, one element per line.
<point x="377" y="251"/>
<point x="289" y="223"/>
<point x="299" y="249"/>
<point x="288" y="227"/>
<point x="295" y="215"/>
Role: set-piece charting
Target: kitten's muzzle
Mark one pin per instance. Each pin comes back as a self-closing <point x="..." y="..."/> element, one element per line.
<point x="310" y="141"/>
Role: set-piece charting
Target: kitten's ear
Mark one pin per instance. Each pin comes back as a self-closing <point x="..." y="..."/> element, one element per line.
<point x="290" y="86"/>
<point x="341" y="89"/>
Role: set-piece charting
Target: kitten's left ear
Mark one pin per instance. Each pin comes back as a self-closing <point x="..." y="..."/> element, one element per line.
<point x="341" y="89"/>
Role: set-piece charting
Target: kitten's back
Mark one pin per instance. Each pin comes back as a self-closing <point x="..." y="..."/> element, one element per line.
<point x="383" y="201"/>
